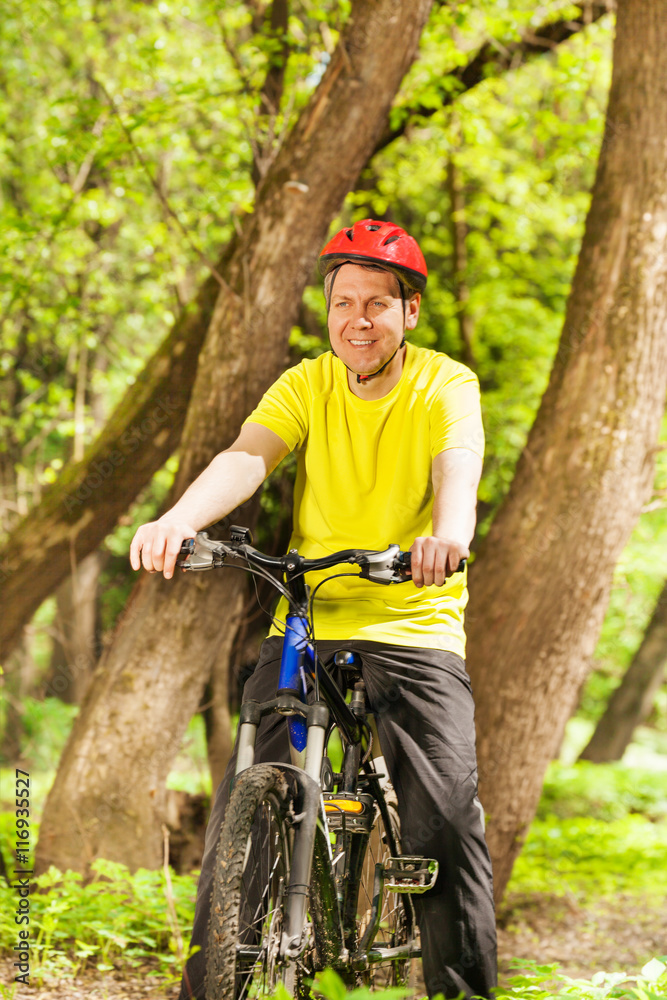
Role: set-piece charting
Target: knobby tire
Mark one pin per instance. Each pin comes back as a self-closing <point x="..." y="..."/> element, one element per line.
<point x="251" y="872"/>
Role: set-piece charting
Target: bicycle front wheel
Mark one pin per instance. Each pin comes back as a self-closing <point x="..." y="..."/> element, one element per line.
<point x="250" y="881"/>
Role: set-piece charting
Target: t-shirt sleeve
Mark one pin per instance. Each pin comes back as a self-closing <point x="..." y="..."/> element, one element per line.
<point x="456" y="414"/>
<point x="283" y="408"/>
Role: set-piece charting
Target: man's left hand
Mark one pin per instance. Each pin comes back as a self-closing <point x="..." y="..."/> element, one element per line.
<point x="433" y="559"/>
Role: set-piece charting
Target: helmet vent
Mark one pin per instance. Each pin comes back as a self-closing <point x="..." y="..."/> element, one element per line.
<point x="391" y="239"/>
<point x="373" y="229"/>
<point x="349" y="234"/>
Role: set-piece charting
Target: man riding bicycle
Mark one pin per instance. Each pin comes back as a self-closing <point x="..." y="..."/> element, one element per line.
<point x="390" y="445"/>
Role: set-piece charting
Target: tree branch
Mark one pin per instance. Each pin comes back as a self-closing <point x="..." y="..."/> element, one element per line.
<point x="497" y="57"/>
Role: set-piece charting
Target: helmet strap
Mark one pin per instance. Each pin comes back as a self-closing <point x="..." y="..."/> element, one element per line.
<point x="362" y="379"/>
<point x="334" y="275"/>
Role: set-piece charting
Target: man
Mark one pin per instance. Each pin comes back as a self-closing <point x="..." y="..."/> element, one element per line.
<point x="390" y="446"/>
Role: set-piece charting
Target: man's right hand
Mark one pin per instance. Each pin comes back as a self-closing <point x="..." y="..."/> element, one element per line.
<point x="158" y="543"/>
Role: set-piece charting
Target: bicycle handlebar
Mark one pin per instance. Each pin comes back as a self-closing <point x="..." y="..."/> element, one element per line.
<point x="387" y="566"/>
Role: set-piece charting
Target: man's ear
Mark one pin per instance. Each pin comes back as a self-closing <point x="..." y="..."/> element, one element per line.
<point x="412" y="312"/>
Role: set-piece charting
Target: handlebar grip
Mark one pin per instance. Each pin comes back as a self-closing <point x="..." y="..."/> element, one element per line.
<point x="405" y="560"/>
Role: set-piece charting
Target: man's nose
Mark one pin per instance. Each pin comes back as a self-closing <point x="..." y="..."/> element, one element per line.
<point x="360" y="319"/>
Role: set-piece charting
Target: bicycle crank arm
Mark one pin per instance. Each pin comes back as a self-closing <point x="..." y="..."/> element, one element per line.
<point x="411" y="950"/>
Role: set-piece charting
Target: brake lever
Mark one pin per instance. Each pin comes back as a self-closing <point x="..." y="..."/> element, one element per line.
<point x="200" y="553"/>
<point x="380" y="567"/>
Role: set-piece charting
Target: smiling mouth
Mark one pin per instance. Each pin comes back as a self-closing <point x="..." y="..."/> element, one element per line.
<point x="361" y="343"/>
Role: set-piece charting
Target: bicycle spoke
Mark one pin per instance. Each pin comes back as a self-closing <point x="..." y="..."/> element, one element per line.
<point x="262" y="888"/>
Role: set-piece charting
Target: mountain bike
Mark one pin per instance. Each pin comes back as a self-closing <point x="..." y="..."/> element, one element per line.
<point x="309" y="871"/>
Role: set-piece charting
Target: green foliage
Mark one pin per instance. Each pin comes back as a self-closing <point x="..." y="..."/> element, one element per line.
<point x="125" y="159"/>
<point x="46" y="725"/>
<point x="604" y="792"/>
<point x="190" y="771"/>
<point x="593" y="838"/>
<point x="8" y="824"/>
<point x="525" y="146"/>
<point x="331" y="987"/>
<point x="108" y="111"/>
<point x="540" y="982"/>
<point x="533" y="982"/>
<point x="589" y="858"/>
<point x="116" y="917"/>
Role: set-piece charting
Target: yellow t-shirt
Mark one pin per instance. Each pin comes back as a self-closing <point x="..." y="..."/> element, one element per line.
<point x="364" y="481"/>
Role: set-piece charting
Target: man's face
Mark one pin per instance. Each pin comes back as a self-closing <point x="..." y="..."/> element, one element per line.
<point x="366" y="317"/>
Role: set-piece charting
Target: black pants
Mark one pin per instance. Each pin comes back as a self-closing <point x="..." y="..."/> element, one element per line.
<point x="424" y="710"/>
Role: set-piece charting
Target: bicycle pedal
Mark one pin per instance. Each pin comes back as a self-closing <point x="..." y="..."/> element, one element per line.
<point x="410" y="874"/>
<point x="350" y="812"/>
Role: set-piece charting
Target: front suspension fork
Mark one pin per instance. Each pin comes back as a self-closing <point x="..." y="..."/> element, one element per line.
<point x="305" y="824"/>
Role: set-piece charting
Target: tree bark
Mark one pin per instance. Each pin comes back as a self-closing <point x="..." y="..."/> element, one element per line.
<point x="217" y="717"/>
<point x="74" y="511"/>
<point x="19" y="681"/>
<point x="108" y="797"/>
<point x="83" y="506"/>
<point x="541" y="583"/>
<point x="76" y="632"/>
<point x="631" y="702"/>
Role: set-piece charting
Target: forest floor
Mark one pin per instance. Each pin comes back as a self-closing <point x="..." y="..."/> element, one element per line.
<point x="613" y="935"/>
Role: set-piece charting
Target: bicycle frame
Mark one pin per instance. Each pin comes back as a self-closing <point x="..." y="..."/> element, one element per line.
<point x="308" y="726"/>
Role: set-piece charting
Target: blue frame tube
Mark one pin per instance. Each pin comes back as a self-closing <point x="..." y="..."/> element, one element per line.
<point x="297" y="651"/>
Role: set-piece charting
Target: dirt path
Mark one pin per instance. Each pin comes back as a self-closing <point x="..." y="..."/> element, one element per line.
<point x="617" y="935"/>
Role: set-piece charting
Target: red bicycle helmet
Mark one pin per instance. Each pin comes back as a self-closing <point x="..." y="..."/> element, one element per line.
<point x="383" y="243"/>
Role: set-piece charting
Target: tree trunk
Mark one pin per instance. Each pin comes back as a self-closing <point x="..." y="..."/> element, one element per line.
<point x="74" y="508"/>
<point x="76" y="632"/>
<point x="541" y="583"/>
<point x="108" y="797"/>
<point x="631" y="702"/>
<point x="217" y="717"/>
<point x="14" y="689"/>
<point x="19" y="681"/>
<point x="83" y="506"/>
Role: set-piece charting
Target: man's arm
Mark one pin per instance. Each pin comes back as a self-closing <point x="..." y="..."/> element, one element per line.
<point x="230" y="479"/>
<point x="456" y="473"/>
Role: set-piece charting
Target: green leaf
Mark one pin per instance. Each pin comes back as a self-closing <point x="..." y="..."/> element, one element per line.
<point x="653" y="970"/>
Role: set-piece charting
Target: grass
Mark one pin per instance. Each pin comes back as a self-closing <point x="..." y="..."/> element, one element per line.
<point x="600" y="832"/>
<point x="117" y="920"/>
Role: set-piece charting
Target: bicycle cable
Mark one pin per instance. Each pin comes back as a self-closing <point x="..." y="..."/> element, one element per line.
<point x="265" y="575"/>
<point x="310" y="625"/>
<point x="311" y="609"/>
<point x="367" y="755"/>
